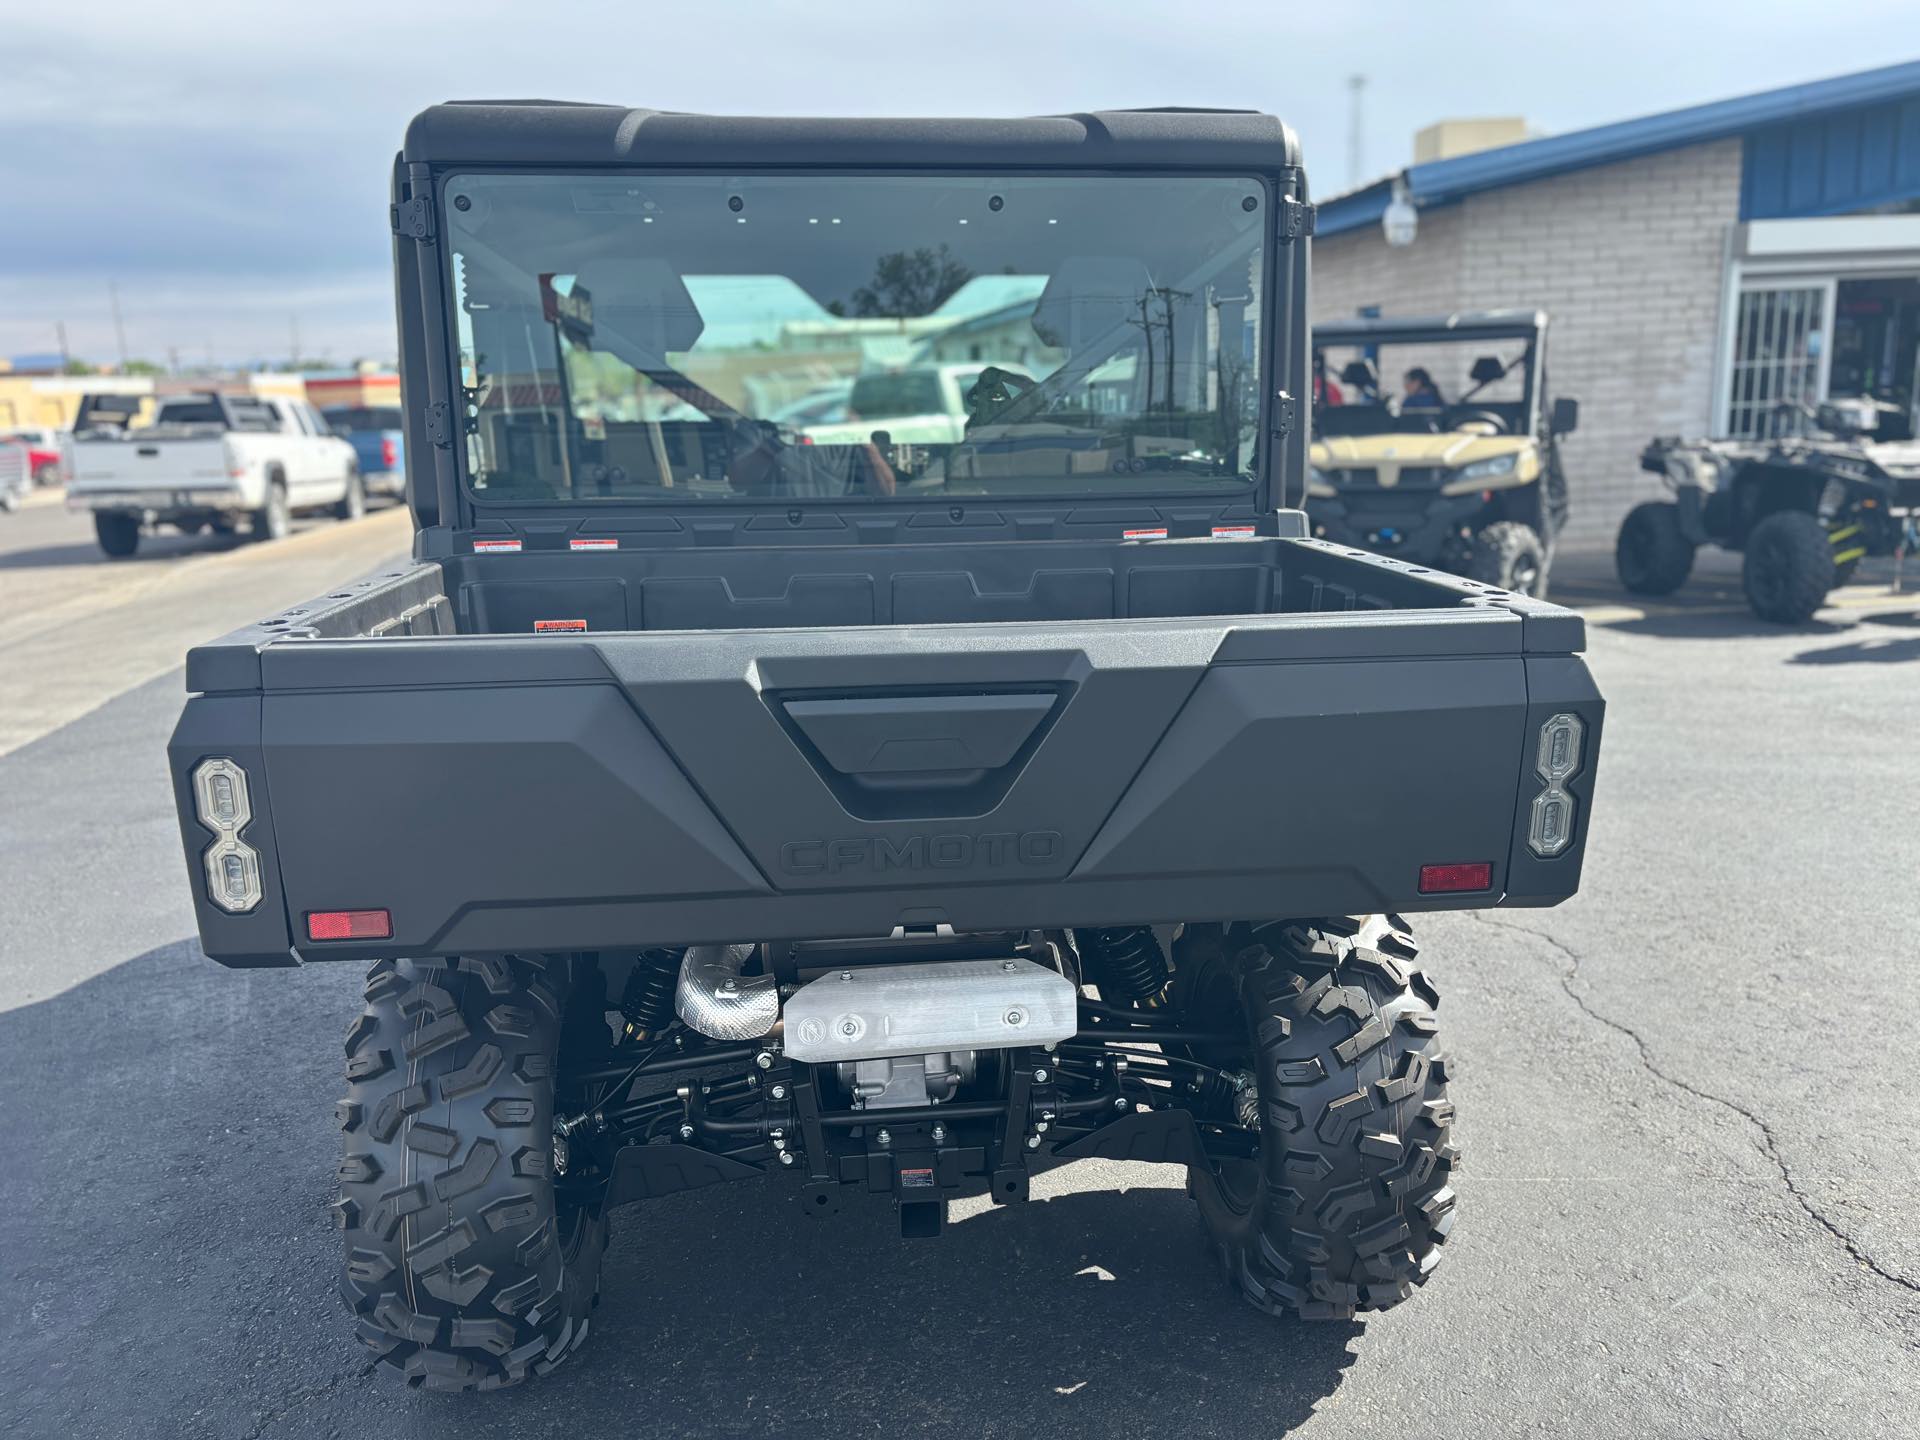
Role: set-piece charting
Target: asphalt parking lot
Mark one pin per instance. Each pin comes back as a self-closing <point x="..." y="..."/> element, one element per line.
<point x="1686" y="1099"/>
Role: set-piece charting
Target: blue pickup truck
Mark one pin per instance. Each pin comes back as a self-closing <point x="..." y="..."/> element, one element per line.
<point x="379" y="442"/>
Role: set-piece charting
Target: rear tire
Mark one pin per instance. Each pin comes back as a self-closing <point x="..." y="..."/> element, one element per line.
<point x="1788" y="568"/>
<point x="353" y="504"/>
<point x="273" y="520"/>
<point x="1651" y="555"/>
<point x="119" y="535"/>
<point x="1348" y="1202"/>
<point x="463" y="1268"/>
<point x="1510" y="556"/>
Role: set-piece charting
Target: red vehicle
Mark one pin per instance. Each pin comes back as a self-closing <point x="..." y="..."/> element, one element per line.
<point x="43" y="452"/>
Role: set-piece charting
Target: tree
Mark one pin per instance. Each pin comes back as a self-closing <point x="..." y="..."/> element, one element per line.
<point x="910" y="283"/>
<point x="142" y="367"/>
<point x="79" y="367"/>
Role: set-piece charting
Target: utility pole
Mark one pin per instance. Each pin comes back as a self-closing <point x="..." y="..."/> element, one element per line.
<point x="173" y="359"/>
<point x="60" y="329"/>
<point x="293" y="326"/>
<point x="1356" y="134"/>
<point x="119" y="329"/>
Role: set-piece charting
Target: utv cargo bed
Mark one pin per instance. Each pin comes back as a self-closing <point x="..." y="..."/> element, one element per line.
<point x="564" y="749"/>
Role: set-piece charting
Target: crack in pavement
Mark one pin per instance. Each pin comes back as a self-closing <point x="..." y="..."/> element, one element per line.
<point x="1768" y="1145"/>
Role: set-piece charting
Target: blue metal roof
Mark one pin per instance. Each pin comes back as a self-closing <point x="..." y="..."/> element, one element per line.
<point x="1440" y="182"/>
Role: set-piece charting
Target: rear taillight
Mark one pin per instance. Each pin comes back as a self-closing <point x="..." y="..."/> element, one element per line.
<point x="221" y="802"/>
<point x="1456" y="878"/>
<point x="1550" y="823"/>
<point x="389" y="452"/>
<point x="349" y="925"/>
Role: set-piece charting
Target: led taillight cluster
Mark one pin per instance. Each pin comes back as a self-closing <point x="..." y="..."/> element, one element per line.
<point x="233" y="868"/>
<point x="1550" y="824"/>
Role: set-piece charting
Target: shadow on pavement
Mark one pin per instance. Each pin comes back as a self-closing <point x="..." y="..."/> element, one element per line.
<point x="1855" y="652"/>
<point x="153" y="549"/>
<point x="167" y="1251"/>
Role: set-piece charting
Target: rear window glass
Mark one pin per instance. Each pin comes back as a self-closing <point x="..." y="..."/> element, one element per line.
<point x="363" y="417"/>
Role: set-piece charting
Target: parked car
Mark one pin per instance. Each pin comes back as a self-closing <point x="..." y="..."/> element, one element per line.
<point x="213" y="461"/>
<point x="378" y="436"/>
<point x="710" y="807"/>
<point x="915" y="405"/>
<point x="16" y="473"/>
<point x="43" y="444"/>
<point x="1465" y="475"/>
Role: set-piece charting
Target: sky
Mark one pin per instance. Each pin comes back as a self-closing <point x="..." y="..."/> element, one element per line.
<point x="224" y="166"/>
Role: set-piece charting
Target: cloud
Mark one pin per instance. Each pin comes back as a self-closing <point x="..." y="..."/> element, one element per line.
<point x="223" y="156"/>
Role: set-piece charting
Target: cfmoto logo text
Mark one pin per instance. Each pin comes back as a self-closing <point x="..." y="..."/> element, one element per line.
<point x="920" y="852"/>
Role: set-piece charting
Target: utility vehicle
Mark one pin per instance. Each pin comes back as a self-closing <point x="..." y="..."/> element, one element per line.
<point x="212" y="461"/>
<point x="1805" y="505"/>
<point x="1462" y="473"/>
<point x="892" y="818"/>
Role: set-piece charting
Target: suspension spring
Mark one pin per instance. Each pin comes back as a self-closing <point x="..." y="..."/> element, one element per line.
<point x="646" y="1000"/>
<point x="1128" y="965"/>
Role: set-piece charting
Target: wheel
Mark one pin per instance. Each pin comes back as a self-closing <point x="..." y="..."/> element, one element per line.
<point x="1342" y="1202"/>
<point x="1651" y="556"/>
<point x="1789" y="567"/>
<point x="1511" y="556"/>
<point x="47" y="472"/>
<point x="464" y="1267"/>
<point x="354" y="503"/>
<point x="273" y="520"/>
<point x="119" y="534"/>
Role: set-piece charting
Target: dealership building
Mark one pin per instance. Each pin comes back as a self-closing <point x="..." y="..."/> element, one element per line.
<point x="1701" y="267"/>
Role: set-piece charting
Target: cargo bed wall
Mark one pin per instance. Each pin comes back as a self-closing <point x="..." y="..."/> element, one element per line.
<point x="1025" y="583"/>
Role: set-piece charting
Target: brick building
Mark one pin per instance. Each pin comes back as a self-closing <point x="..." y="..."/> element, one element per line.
<point x="1701" y="267"/>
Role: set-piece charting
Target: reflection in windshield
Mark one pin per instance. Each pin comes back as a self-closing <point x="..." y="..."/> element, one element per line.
<point x="699" y="338"/>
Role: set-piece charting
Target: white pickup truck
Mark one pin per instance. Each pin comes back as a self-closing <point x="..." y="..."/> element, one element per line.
<point x="213" y="462"/>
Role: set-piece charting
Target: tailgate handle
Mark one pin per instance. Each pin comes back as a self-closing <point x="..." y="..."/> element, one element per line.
<point x="900" y="735"/>
<point x="149" y="451"/>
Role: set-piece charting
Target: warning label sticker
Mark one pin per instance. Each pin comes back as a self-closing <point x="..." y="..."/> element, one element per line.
<point x="1233" y="532"/>
<point x="1151" y="532"/>
<point x="485" y="547"/>
<point x="594" y="543"/>
<point x="916" y="1177"/>
<point x="543" y="626"/>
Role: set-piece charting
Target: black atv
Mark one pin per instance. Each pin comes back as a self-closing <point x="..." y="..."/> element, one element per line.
<point x="1806" y="505"/>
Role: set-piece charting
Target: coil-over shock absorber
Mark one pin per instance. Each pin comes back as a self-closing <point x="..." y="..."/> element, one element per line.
<point x="1128" y="965"/>
<point x="646" y="1000"/>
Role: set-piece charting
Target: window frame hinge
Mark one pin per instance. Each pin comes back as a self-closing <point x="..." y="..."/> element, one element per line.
<point x="413" y="218"/>
<point x="1296" y="219"/>
<point x="1285" y="414"/>
<point x="439" y="425"/>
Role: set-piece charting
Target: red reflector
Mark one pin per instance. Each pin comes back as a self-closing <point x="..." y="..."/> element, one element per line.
<point x="389" y="452"/>
<point x="349" y="925"/>
<point x="1445" y="879"/>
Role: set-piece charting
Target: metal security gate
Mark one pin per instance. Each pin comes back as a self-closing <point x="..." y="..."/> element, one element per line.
<point x="1780" y="355"/>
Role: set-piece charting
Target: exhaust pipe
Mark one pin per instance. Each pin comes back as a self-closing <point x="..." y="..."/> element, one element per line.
<point x="721" y="1003"/>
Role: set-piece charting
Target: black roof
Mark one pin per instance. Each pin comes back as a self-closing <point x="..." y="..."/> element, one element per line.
<point x="552" y="132"/>
<point x="1491" y="324"/>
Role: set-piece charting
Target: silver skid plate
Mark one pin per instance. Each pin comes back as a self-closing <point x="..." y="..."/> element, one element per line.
<point x="868" y="1011"/>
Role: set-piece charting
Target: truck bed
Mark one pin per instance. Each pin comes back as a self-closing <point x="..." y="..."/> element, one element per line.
<point x="579" y="749"/>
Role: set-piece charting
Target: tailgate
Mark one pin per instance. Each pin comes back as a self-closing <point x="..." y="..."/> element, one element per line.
<point x="573" y="792"/>
<point x="135" y="465"/>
